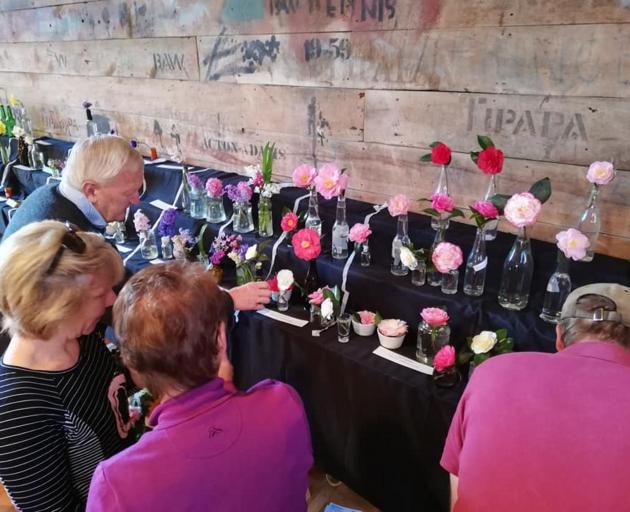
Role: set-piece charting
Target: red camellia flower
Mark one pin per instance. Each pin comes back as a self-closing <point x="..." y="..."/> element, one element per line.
<point x="490" y="160"/>
<point x="441" y="154"/>
<point x="306" y="244"/>
<point x="273" y="284"/>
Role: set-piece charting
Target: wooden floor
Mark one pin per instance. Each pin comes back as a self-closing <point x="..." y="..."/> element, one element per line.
<point x="321" y="494"/>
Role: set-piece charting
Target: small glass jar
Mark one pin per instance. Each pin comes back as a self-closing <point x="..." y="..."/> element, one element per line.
<point x="167" y="247"/>
<point x="120" y="233"/>
<point x="419" y="274"/>
<point x="283" y="300"/>
<point x="215" y="211"/>
<point x="265" y="219"/>
<point x="366" y="258"/>
<point x="243" y="222"/>
<point x="197" y="203"/>
<point x="450" y="281"/>
<point x="430" y="340"/>
<point x="148" y="245"/>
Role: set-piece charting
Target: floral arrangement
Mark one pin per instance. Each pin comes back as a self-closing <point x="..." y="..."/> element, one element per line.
<point x="359" y="233"/>
<point x="446" y="257"/>
<point x="523" y="209"/>
<point x="282" y="281"/>
<point x="485" y="345"/>
<point x="489" y="159"/>
<point x="183" y="243"/>
<point x="410" y="256"/>
<point x="483" y="212"/>
<point x="328" y="300"/>
<point x="289" y="222"/>
<point x="393" y="327"/>
<point x="166" y="227"/>
<point x="398" y="205"/>
<point x="600" y="173"/>
<point x="141" y="221"/>
<point x="221" y="246"/>
<point x="440" y="154"/>
<point x="573" y="243"/>
<point x="261" y="175"/>
<point x="304" y="175"/>
<point x="243" y="253"/>
<point x="444" y="360"/>
<point x="306" y="244"/>
<point x="214" y="187"/>
<point x="330" y="181"/>
<point x="239" y="193"/>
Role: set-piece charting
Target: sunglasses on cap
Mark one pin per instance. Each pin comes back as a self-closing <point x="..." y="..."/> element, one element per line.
<point x="70" y="241"/>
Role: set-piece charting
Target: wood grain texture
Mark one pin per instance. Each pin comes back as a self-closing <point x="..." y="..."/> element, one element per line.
<point x="15" y="5"/>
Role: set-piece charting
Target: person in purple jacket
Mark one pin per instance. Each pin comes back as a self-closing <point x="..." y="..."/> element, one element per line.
<point x="211" y="447"/>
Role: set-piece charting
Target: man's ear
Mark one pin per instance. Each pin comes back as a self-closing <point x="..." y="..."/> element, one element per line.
<point x="559" y="341"/>
<point x="89" y="190"/>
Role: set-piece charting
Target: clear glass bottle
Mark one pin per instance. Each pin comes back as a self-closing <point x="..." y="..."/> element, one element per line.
<point x="442" y="188"/>
<point x="198" y="203"/>
<point x="419" y="274"/>
<point x="401" y="239"/>
<point x="558" y="288"/>
<point x="475" y="277"/>
<point x="167" y="247"/>
<point x="312" y="218"/>
<point x="185" y="189"/>
<point x="119" y="232"/>
<point x="430" y="340"/>
<point x="243" y="220"/>
<point x="434" y="278"/>
<point x="283" y="300"/>
<point x="490" y="228"/>
<point x="215" y="211"/>
<point x="366" y="258"/>
<point x="148" y="245"/>
<point x="518" y="270"/>
<point x="265" y="219"/>
<point x="340" y="231"/>
<point x="590" y="222"/>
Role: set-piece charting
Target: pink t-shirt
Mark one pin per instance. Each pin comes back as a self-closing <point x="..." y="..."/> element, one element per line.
<point x="538" y="432"/>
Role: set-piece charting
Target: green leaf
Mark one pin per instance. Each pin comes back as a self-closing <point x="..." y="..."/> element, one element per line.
<point x="456" y="213"/>
<point x="480" y="358"/>
<point x="302" y="216"/>
<point x="377" y="318"/>
<point x="541" y="190"/>
<point x="484" y="141"/>
<point x="285" y="210"/>
<point x="464" y="357"/>
<point x="267" y="161"/>
<point x="501" y="334"/>
<point x="202" y="251"/>
<point x="474" y="155"/>
<point x="500" y="200"/>
<point x="431" y="211"/>
<point x="426" y="158"/>
<point x="434" y="144"/>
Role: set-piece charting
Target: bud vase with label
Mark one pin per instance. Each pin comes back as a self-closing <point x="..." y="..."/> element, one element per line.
<point x="340" y="230"/>
<point x="215" y="211"/>
<point x="243" y="221"/>
<point x="148" y="245"/>
<point x="401" y="239"/>
<point x="518" y="270"/>
<point x="475" y="277"/>
<point x="590" y="222"/>
<point x="490" y="227"/>
<point x="558" y="288"/>
<point x="442" y="189"/>
<point x="312" y="218"/>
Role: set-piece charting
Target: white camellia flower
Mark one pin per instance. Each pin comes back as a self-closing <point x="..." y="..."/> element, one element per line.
<point x="285" y="280"/>
<point x="251" y="252"/>
<point x="408" y="259"/>
<point x="483" y="342"/>
<point x="327" y="309"/>
<point x="233" y="255"/>
<point x="251" y="170"/>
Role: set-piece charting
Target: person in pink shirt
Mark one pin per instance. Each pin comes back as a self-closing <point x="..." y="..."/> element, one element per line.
<point x="211" y="447"/>
<point x="550" y="432"/>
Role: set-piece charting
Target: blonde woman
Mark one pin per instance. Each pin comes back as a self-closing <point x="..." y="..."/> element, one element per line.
<point x="63" y="399"/>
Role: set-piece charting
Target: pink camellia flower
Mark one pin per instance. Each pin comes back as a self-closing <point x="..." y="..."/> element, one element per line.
<point x="359" y="233"/>
<point x="490" y="161"/>
<point x="317" y="297"/>
<point x="600" y="173"/>
<point x="306" y="244"/>
<point x="486" y="208"/>
<point x="392" y="327"/>
<point x="398" y="205"/>
<point x="303" y="175"/>
<point x="329" y="181"/>
<point x="442" y="202"/>
<point x="444" y="359"/>
<point x="141" y="221"/>
<point x="289" y="222"/>
<point x="366" y="317"/>
<point x="447" y="257"/>
<point x="522" y="209"/>
<point x="435" y="317"/>
<point x="258" y="180"/>
<point x="573" y="243"/>
<point x="214" y="187"/>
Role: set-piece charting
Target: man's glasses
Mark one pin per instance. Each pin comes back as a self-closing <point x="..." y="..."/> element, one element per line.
<point x="70" y="241"/>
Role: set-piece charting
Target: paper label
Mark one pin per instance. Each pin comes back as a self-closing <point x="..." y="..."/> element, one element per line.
<point x="481" y="265"/>
<point x="156" y="261"/>
<point x="43" y="143"/>
<point x="281" y="317"/>
<point x="23" y="167"/>
<point x="122" y="248"/>
<point x="157" y="161"/>
<point x="158" y="203"/>
<point x="170" y="166"/>
<point x="394" y="357"/>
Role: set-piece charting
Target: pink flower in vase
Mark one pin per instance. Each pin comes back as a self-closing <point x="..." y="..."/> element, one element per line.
<point x="330" y="182"/>
<point x="447" y="257"/>
<point x="486" y="208"/>
<point x="273" y="284"/>
<point x="141" y="221"/>
<point x="522" y="209"/>
<point x="398" y="205"/>
<point x="444" y="359"/>
<point x="306" y="244"/>
<point x="366" y="317"/>
<point x="289" y="222"/>
<point x="359" y="233"/>
<point x="442" y="202"/>
<point x="303" y="175"/>
<point x="600" y="173"/>
<point x="435" y="317"/>
<point x="214" y="187"/>
<point x="317" y="297"/>
<point x="573" y="243"/>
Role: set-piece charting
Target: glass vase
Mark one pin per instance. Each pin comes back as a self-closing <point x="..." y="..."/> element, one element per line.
<point x="490" y="227"/>
<point x="283" y="300"/>
<point x="265" y="220"/>
<point x="366" y="258"/>
<point x="120" y="232"/>
<point x="558" y="288"/>
<point x="419" y="274"/>
<point x="312" y="218"/>
<point x="215" y="211"/>
<point x="590" y="222"/>
<point x="518" y="270"/>
<point x="442" y="188"/>
<point x="401" y="239"/>
<point x="198" y="203"/>
<point x="244" y="274"/>
<point x="430" y="340"/>
<point x="340" y="231"/>
<point x="148" y="245"/>
<point x="185" y="190"/>
<point x="167" y="247"/>
<point x="4" y="150"/>
<point x="434" y="278"/>
<point x="243" y="222"/>
<point x="475" y="276"/>
<point x="450" y="280"/>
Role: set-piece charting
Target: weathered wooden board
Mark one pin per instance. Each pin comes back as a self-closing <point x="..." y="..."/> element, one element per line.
<point x="585" y="60"/>
<point x="301" y="110"/>
<point x="566" y="130"/>
<point x="14" y="5"/>
<point x="172" y="58"/>
<point x="103" y="19"/>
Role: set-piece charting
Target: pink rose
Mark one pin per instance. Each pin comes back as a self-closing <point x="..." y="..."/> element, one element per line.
<point x="366" y="317"/>
<point x="141" y="221"/>
<point x="445" y="358"/>
<point x="490" y="160"/>
<point x="330" y="182"/>
<point x="359" y="233"/>
<point x="441" y="154"/>
<point x="522" y="210"/>
<point x="435" y="317"/>
<point x="304" y="175"/>
<point x="600" y="173"/>
<point x="442" y="202"/>
<point x="447" y="257"/>
<point x="306" y="244"/>
<point x="317" y="297"/>
<point x="398" y="205"/>
<point x="392" y="327"/>
<point x="214" y="187"/>
<point x="573" y="243"/>
<point x="486" y="208"/>
<point x="289" y="222"/>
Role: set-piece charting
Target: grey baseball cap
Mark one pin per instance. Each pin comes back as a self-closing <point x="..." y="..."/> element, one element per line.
<point x="619" y="294"/>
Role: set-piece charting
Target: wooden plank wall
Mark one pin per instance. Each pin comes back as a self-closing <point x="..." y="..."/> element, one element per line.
<point x="367" y="83"/>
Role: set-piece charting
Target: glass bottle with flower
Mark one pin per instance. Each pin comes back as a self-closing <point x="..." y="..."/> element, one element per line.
<point x="197" y="196"/>
<point x="433" y="334"/>
<point x="215" y="211"/>
<point x="166" y="230"/>
<point x="414" y="260"/>
<point x="483" y="346"/>
<point x="284" y="282"/>
<point x="241" y="195"/>
<point x="599" y="173"/>
<point x="307" y="246"/>
<point x="266" y="188"/>
<point x="483" y="213"/>
<point x="324" y="306"/>
<point x="331" y="182"/>
<point x="447" y="259"/>
<point x="440" y="155"/>
<point x="359" y="235"/>
<point x="442" y="211"/>
<point x="148" y="245"/>
<point x="303" y="177"/>
<point x="490" y="161"/>
<point x="398" y="206"/>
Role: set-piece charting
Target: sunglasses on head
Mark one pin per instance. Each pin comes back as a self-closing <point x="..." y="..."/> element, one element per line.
<point x="70" y="241"/>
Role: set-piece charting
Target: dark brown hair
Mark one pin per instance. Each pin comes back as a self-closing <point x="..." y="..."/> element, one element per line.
<point x="168" y="319"/>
